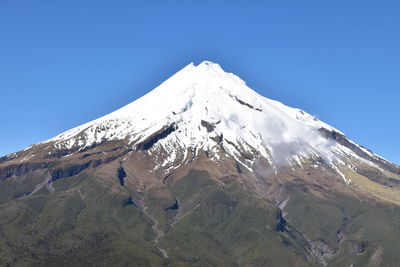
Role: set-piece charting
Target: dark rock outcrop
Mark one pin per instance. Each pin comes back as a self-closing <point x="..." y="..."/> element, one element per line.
<point x="280" y="226"/>
<point x="208" y="125"/>
<point x="246" y="104"/>
<point x="21" y="169"/>
<point x="129" y="202"/>
<point x="175" y="206"/>
<point x="69" y="171"/>
<point x="161" y="134"/>
<point x="121" y="176"/>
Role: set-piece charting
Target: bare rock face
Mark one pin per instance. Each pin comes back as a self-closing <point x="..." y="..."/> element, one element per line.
<point x="200" y="171"/>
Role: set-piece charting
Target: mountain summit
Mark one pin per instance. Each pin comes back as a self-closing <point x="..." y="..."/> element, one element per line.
<point x="200" y="171"/>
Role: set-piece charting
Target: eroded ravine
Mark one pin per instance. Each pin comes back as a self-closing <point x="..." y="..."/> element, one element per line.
<point x="144" y="209"/>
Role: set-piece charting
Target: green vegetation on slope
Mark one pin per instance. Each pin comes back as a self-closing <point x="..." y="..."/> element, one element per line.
<point x="225" y="225"/>
<point x="86" y="225"/>
<point x="357" y="232"/>
<point x="92" y="220"/>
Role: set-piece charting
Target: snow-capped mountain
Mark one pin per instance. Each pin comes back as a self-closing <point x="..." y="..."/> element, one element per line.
<point x="201" y="103"/>
<point x="203" y="108"/>
<point x="202" y="170"/>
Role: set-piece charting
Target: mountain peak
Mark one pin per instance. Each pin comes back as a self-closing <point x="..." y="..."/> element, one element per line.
<point x="209" y="66"/>
<point x="204" y="108"/>
<point x="204" y="65"/>
<point x="206" y="72"/>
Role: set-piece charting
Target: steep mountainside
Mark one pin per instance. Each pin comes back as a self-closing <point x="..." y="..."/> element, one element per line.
<point x="200" y="171"/>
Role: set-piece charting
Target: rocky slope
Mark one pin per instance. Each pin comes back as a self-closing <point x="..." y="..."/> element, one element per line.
<point x="200" y="171"/>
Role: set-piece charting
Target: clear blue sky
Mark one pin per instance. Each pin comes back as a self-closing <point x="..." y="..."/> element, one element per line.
<point x="63" y="63"/>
